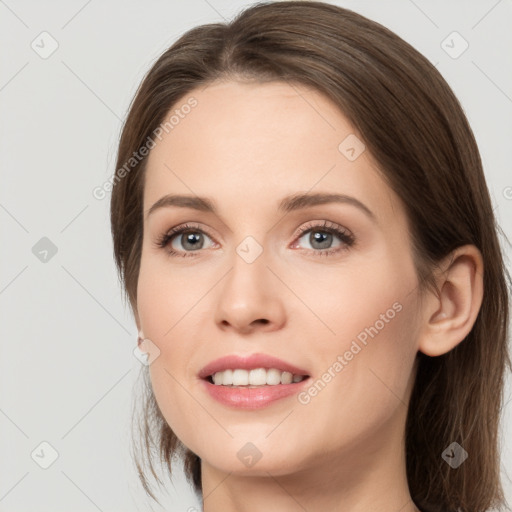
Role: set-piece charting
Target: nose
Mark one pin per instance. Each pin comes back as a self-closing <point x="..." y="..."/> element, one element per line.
<point x="250" y="298"/>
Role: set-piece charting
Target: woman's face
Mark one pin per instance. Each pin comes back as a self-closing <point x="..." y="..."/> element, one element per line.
<point x="265" y="274"/>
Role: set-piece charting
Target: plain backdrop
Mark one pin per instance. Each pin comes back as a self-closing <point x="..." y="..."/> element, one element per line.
<point x="69" y="70"/>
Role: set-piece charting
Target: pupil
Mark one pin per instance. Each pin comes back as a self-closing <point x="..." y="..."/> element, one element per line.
<point x="192" y="238"/>
<point x="322" y="238"/>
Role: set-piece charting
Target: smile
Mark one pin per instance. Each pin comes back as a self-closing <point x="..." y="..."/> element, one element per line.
<point x="251" y="381"/>
<point x="254" y="378"/>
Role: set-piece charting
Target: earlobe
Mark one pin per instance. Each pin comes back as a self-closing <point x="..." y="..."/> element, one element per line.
<point x="450" y="315"/>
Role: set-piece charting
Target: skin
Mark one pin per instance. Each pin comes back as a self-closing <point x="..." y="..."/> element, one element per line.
<point x="246" y="146"/>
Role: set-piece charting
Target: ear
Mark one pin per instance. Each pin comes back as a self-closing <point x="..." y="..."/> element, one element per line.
<point x="450" y="314"/>
<point x="137" y="322"/>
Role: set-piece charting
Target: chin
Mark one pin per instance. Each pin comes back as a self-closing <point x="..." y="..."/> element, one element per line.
<point x="253" y="459"/>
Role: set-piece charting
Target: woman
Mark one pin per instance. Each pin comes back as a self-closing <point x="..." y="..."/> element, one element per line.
<point x="303" y="229"/>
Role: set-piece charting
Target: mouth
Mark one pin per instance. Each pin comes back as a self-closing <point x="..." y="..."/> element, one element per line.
<point x="252" y="381"/>
<point x="253" y="370"/>
<point x="254" y="378"/>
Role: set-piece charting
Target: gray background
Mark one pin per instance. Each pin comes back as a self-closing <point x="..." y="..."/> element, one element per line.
<point x="67" y="371"/>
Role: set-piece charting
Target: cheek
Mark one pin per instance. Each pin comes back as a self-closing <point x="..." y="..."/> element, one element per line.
<point x="166" y="303"/>
<point x="365" y="378"/>
<point x="166" y="294"/>
<point x="371" y="312"/>
<point x="378" y="348"/>
<point x="371" y="304"/>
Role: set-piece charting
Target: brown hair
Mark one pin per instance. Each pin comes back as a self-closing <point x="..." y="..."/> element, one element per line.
<point x="415" y="128"/>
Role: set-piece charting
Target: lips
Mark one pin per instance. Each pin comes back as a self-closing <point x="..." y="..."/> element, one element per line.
<point x="243" y="397"/>
<point x="250" y="362"/>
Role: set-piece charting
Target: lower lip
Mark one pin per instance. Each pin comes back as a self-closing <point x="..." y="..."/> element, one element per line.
<point x="252" y="398"/>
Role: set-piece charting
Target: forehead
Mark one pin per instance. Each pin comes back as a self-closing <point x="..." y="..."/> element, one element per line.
<point x="249" y="144"/>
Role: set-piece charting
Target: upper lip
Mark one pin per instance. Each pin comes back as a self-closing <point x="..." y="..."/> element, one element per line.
<point x="249" y="362"/>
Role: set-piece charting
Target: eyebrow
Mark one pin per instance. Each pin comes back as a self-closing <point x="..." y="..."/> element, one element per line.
<point x="287" y="204"/>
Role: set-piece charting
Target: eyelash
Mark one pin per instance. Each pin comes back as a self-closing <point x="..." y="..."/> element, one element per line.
<point x="344" y="235"/>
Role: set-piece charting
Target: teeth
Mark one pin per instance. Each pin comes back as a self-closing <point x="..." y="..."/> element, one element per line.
<point x="255" y="377"/>
<point x="274" y="377"/>
<point x="240" y="378"/>
<point x="227" y="378"/>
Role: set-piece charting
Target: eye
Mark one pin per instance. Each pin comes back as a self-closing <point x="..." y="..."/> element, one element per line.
<point x="320" y="238"/>
<point x="191" y="238"/>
